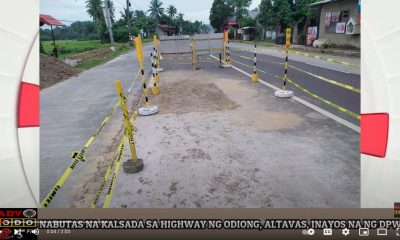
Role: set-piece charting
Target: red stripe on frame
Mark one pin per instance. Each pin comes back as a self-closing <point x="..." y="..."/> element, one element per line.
<point x="374" y="134"/>
<point x="28" y="105"/>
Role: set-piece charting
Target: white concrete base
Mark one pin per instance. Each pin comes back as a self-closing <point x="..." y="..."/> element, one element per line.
<point x="283" y="93"/>
<point x="160" y="69"/>
<point x="226" y="65"/>
<point x="144" y="111"/>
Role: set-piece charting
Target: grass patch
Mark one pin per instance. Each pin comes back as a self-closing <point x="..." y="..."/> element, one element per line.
<point x="70" y="48"/>
<point x="100" y="60"/>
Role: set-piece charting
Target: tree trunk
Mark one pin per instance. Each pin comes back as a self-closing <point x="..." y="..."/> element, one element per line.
<point x="263" y="32"/>
<point x="294" y="31"/>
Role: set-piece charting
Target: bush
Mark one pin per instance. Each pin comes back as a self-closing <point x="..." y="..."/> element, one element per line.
<point x="280" y="38"/>
<point x="121" y="34"/>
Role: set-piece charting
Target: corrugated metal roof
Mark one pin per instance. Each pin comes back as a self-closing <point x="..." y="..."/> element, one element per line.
<point x="49" y="20"/>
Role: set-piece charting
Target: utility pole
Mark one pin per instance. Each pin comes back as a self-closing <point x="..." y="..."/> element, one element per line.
<point x="128" y="12"/>
<point x="107" y="17"/>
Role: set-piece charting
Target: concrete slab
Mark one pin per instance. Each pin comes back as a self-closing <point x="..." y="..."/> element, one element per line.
<point x="220" y="140"/>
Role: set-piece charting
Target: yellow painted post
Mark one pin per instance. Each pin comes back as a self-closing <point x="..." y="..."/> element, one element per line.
<point x="156" y="76"/>
<point x="225" y="45"/>
<point x="254" y="77"/>
<point x="193" y="54"/>
<point x="288" y="33"/>
<point x="155" y="90"/>
<point x="140" y="58"/>
<point x="128" y="125"/>
<point x="141" y="48"/>
<point x="155" y="41"/>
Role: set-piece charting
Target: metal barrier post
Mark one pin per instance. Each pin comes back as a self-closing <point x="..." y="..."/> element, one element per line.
<point x="254" y="77"/>
<point x="154" y="61"/>
<point x="193" y="55"/>
<point x="226" y="51"/>
<point x="146" y="110"/>
<point x="155" y="42"/>
<point x="133" y="165"/>
<point x="285" y="93"/>
<point x="155" y="90"/>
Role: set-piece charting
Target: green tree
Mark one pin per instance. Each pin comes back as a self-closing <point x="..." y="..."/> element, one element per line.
<point x="110" y="5"/>
<point x="156" y="10"/>
<point x="127" y="16"/>
<point x="247" y="22"/>
<point x="265" y="13"/>
<point x="95" y="10"/>
<point x="302" y="11"/>
<point x="219" y="12"/>
<point x="138" y="14"/>
<point x="239" y="7"/>
<point x="282" y="14"/>
<point x="171" y="11"/>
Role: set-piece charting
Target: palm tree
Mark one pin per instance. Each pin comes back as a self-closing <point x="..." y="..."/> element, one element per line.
<point x="127" y="16"/>
<point x="156" y="9"/>
<point x="95" y="10"/>
<point x="180" y="16"/>
<point x="171" y="10"/>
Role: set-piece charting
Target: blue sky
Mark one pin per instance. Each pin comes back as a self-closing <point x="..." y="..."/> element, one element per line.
<point x="74" y="10"/>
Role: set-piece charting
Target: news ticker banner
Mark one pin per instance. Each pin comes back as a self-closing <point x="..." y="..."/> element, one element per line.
<point x="199" y="223"/>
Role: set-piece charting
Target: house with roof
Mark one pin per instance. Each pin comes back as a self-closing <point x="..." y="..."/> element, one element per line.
<point x="339" y="22"/>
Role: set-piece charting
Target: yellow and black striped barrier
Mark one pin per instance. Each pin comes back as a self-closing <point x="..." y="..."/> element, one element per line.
<point x="140" y="58"/>
<point x="78" y="156"/>
<point x="334" y="82"/>
<point x="155" y="88"/>
<point x="134" y="164"/>
<point x="193" y="55"/>
<point x="284" y="93"/>
<point x="337" y="107"/>
<point x="254" y="76"/>
<point x="302" y="54"/>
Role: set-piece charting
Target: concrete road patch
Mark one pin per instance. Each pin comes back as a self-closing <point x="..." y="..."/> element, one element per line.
<point x="220" y="140"/>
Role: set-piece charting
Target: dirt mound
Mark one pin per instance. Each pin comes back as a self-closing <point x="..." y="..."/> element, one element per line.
<point x="53" y="71"/>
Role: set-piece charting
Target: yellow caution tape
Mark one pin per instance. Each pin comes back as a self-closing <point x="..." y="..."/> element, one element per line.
<point x="60" y="182"/>
<point x="186" y="58"/>
<point x="107" y="175"/>
<point x="324" y="58"/>
<point x="303" y="54"/>
<point x="345" y="86"/>
<point x="348" y="87"/>
<point x="78" y="156"/>
<point x="120" y="153"/>
<point x="342" y="109"/>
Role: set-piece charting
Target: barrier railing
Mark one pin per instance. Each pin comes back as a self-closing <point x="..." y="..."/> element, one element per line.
<point x="80" y="156"/>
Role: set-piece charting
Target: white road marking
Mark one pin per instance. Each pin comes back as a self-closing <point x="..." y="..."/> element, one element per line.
<point x="306" y="103"/>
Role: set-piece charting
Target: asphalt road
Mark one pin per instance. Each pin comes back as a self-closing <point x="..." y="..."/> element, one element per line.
<point x="306" y="74"/>
<point x="71" y="112"/>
